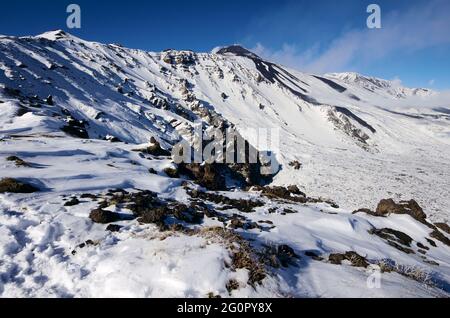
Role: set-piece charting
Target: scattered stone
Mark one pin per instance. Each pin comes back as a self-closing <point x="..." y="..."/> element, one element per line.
<point x="49" y="100"/>
<point x="245" y="258"/>
<point x="155" y="216"/>
<point x="75" y="128"/>
<point x="239" y="204"/>
<point x="72" y="202"/>
<point x="155" y="149"/>
<point x="411" y="207"/>
<point x="279" y="256"/>
<point x="295" y="190"/>
<point x="436" y="234"/>
<point x="355" y="259"/>
<point x="266" y="222"/>
<point x="394" y="235"/>
<point x="242" y="223"/>
<point x="186" y="214"/>
<point x="314" y="255"/>
<point x="367" y="211"/>
<point x="152" y="171"/>
<point x="291" y="193"/>
<point x="113" y="228"/>
<point x="400" y="248"/>
<point x="10" y="185"/>
<point x="231" y="285"/>
<point x="336" y="258"/>
<point x="181" y="212"/>
<point x="103" y="216"/>
<point x="207" y="175"/>
<point x="171" y="172"/>
<point x="83" y="245"/>
<point x="295" y="164"/>
<point x="431" y="262"/>
<point x="444" y="227"/>
<point x="420" y="245"/>
<point x="431" y="242"/>
<point x="19" y="162"/>
<point x="89" y="196"/>
<point x="111" y="138"/>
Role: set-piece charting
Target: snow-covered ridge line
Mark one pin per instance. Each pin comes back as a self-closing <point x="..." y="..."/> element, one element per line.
<point x="373" y="84"/>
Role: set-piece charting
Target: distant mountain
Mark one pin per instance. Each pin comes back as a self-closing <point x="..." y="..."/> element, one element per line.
<point x="381" y="86"/>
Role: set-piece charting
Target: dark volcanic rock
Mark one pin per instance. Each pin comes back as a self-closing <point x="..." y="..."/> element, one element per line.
<point x="440" y="237"/>
<point x="279" y="255"/>
<point x="410" y="207"/>
<point x="10" y="185"/>
<point x="19" y="162"/>
<point x="295" y="164"/>
<point x="390" y="234"/>
<point x="367" y="211"/>
<point x="431" y="242"/>
<point x="72" y="202"/>
<point x="356" y="259"/>
<point x="156" y="216"/>
<point x="103" y="216"/>
<point x="314" y="255"/>
<point x="336" y="258"/>
<point x="75" y="128"/>
<point x="171" y="172"/>
<point x="155" y="149"/>
<point x="394" y="238"/>
<point x="444" y="227"/>
<point x="49" y="100"/>
<point x="291" y="193"/>
<point x="207" y="175"/>
<point x="113" y="228"/>
<point x="239" y="204"/>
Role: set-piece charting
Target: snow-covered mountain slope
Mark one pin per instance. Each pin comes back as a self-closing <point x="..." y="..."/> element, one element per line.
<point x="343" y="137"/>
<point x="377" y="133"/>
<point x="380" y="86"/>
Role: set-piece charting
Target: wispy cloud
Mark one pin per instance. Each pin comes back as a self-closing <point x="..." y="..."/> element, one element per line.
<point x="420" y="26"/>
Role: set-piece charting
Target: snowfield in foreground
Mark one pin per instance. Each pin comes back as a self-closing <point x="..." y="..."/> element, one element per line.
<point x="90" y="208"/>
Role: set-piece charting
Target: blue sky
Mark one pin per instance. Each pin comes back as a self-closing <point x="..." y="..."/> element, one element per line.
<point x="312" y="35"/>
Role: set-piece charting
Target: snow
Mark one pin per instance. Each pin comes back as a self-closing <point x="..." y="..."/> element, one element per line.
<point x="407" y="157"/>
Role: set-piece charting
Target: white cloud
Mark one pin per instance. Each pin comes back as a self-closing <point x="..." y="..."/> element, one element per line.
<point x="418" y="27"/>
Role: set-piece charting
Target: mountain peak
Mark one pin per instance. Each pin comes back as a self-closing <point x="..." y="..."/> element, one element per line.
<point x="237" y="50"/>
<point x="56" y="35"/>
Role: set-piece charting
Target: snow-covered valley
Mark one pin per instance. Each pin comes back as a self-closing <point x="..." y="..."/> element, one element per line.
<point x="105" y="213"/>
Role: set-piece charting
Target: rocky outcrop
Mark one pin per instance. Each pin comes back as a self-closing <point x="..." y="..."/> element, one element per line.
<point x="354" y="258"/>
<point x="411" y="207"/>
<point x="10" y="185"/>
<point x="75" y="128"/>
<point x="103" y="216"/>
